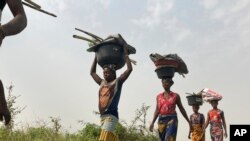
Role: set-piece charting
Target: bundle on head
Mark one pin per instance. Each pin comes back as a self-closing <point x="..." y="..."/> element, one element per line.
<point x="167" y="65"/>
<point x="108" y="50"/>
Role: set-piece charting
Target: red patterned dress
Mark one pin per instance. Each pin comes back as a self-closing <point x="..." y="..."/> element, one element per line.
<point x="168" y="122"/>
<point x="215" y="120"/>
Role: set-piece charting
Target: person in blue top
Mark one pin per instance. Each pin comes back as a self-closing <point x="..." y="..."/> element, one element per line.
<point x="13" y="27"/>
<point x="109" y="95"/>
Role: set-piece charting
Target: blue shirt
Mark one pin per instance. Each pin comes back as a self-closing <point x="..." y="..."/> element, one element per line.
<point x="112" y="107"/>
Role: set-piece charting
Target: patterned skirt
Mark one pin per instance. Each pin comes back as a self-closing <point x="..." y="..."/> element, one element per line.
<point x="167" y="127"/>
<point x="197" y="133"/>
<point x="216" y="131"/>
<point x="108" y="123"/>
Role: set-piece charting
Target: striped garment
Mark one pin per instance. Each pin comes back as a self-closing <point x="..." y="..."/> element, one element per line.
<point x="108" y="123"/>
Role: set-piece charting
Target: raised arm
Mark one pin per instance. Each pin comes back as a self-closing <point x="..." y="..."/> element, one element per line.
<point x="19" y="22"/>
<point x="97" y="79"/>
<point x="156" y="113"/>
<point x="129" y="69"/>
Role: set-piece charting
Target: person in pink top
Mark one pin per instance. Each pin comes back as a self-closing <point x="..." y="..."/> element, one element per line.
<point x="165" y="109"/>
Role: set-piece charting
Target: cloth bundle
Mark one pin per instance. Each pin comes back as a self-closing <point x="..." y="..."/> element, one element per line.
<point x="209" y="95"/>
<point x="170" y="60"/>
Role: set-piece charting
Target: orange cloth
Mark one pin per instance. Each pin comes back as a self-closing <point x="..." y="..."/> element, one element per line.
<point x="107" y="136"/>
<point x="197" y="133"/>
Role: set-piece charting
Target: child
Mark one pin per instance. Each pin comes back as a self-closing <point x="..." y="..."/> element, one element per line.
<point x="197" y="121"/>
<point x="216" y="119"/>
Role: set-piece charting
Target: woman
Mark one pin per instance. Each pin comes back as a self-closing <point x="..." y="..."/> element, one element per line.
<point x="197" y="121"/>
<point x="216" y="119"/>
<point x="109" y="96"/>
<point x="14" y="26"/>
<point x="165" y="109"/>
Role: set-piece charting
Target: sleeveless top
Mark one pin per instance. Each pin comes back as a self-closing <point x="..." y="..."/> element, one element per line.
<point x="166" y="106"/>
<point x="215" y="115"/>
<point x="109" y="96"/>
<point x="197" y="119"/>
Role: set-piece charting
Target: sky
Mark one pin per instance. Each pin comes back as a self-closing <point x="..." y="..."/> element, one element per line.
<point x="50" y="70"/>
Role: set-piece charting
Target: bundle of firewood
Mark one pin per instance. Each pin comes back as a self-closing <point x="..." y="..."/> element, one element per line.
<point x="36" y="6"/>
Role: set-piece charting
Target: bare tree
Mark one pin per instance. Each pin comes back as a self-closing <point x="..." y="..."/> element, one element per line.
<point x="14" y="110"/>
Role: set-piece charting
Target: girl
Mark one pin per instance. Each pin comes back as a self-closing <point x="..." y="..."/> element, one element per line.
<point x="197" y="121"/>
<point x="216" y="119"/>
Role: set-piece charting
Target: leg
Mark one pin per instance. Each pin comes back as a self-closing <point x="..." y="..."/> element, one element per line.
<point x="4" y="112"/>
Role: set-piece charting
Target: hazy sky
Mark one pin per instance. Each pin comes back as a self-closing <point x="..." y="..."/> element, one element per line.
<point x="50" y="69"/>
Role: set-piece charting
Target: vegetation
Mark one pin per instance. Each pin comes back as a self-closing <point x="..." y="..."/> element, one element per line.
<point x="135" y="131"/>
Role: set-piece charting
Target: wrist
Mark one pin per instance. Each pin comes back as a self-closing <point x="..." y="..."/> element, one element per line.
<point x="2" y="33"/>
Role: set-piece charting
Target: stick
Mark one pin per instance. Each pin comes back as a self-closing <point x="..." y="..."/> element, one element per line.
<point x="90" y="34"/>
<point x="133" y="61"/>
<point x="83" y="38"/>
<point x="33" y="3"/>
<point x="31" y="6"/>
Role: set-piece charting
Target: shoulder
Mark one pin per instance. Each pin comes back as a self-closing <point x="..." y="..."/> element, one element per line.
<point x="160" y="94"/>
<point x="201" y="115"/>
<point x="176" y="95"/>
<point x="119" y="81"/>
<point x="209" y="111"/>
<point x="220" y="111"/>
<point x="103" y="82"/>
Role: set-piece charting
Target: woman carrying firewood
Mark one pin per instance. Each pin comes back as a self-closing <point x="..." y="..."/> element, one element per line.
<point x="14" y="26"/>
<point x="109" y="95"/>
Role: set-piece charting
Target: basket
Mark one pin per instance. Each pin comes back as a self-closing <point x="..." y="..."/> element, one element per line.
<point x="110" y="53"/>
<point x="194" y="100"/>
<point x="167" y="62"/>
<point x="165" y="72"/>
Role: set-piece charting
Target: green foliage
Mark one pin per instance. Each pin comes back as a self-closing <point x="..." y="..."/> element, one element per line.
<point x="136" y="131"/>
<point x="90" y="132"/>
